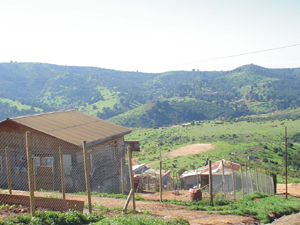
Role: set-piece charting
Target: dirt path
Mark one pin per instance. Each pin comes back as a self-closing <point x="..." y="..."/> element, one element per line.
<point x="156" y="208"/>
<point x="184" y="151"/>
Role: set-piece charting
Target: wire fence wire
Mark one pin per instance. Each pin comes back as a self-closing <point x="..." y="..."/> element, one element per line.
<point x="60" y="167"/>
<point x="230" y="183"/>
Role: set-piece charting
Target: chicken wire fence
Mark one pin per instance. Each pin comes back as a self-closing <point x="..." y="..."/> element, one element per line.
<point x="60" y="167"/>
<point x="229" y="183"/>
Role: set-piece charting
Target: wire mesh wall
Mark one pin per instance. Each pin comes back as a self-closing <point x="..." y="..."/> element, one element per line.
<point x="60" y="167"/>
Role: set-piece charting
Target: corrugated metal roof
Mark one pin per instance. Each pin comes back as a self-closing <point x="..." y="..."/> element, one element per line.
<point x="73" y="126"/>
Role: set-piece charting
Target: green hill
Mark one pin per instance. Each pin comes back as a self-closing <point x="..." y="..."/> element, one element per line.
<point x="159" y="99"/>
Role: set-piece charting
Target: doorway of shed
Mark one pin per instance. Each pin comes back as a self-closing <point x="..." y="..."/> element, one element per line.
<point x="67" y="170"/>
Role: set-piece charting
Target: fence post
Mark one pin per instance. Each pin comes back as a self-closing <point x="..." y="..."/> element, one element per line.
<point x="129" y="150"/>
<point x="210" y="184"/>
<point x="266" y="181"/>
<point x="286" y="172"/>
<point x="122" y="176"/>
<point x="233" y="184"/>
<point x="256" y="179"/>
<point x="242" y="179"/>
<point x="62" y="172"/>
<point x="251" y="179"/>
<point x="87" y="175"/>
<point x="246" y="177"/>
<point x="30" y="173"/>
<point x="160" y="180"/>
<point x="223" y="180"/>
<point x="34" y="174"/>
<point x="261" y="181"/>
<point x="8" y="171"/>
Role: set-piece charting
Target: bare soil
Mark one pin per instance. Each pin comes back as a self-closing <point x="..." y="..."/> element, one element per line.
<point x="165" y="210"/>
<point x="156" y="208"/>
<point x="184" y="151"/>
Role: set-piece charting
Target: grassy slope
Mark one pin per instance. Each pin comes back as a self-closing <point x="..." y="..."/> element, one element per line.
<point x="226" y="136"/>
<point x="19" y="105"/>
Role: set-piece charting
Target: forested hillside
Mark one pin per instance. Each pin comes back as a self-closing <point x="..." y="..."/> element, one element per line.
<point x="146" y="99"/>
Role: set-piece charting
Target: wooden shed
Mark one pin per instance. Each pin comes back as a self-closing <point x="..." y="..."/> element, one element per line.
<point x="66" y="130"/>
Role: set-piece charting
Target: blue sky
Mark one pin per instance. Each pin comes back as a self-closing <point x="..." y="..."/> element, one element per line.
<point x="151" y="36"/>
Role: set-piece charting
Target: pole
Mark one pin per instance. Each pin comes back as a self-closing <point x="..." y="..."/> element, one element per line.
<point x="122" y="176"/>
<point x="256" y="179"/>
<point x="87" y="176"/>
<point x="30" y="173"/>
<point x="246" y="177"/>
<point x="223" y="180"/>
<point x="8" y="171"/>
<point x="62" y="172"/>
<point x="242" y="178"/>
<point x="131" y="176"/>
<point x="160" y="177"/>
<point x="233" y="184"/>
<point x="286" y="173"/>
<point x="251" y="181"/>
<point x="210" y="184"/>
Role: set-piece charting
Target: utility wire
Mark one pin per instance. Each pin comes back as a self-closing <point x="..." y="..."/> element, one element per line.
<point x="226" y="57"/>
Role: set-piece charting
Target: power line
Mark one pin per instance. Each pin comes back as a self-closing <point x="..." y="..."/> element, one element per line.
<point x="226" y="57"/>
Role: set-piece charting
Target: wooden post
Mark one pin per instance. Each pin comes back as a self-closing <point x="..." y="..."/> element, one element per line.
<point x="242" y="179"/>
<point x="266" y="182"/>
<point x="53" y="177"/>
<point x="122" y="176"/>
<point x="30" y="173"/>
<point x="62" y="173"/>
<point x="34" y="174"/>
<point x="261" y="182"/>
<point x="127" y="200"/>
<point x="223" y="180"/>
<point x="233" y="183"/>
<point x="246" y="177"/>
<point x="210" y="184"/>
<point x="251" y="180"/>
<point x="87" y="175"/>
<point x="256" y="179"/>
<point x="129" y="150"/>
<point x="286" y="173"/>
<point x="8" y="171"/>
<point x="160" y="181"/>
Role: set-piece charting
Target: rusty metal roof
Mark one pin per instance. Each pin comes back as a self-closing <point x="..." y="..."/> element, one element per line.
<point x="73" y="126"/>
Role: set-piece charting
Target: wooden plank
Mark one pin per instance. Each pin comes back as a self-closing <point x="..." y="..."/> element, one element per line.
<point x="55" y="204"/>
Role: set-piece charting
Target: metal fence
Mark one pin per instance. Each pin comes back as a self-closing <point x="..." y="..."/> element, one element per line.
<point x="59" y="167"/>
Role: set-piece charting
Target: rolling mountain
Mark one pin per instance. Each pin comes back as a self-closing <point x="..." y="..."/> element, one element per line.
<point x="147" y="99"/>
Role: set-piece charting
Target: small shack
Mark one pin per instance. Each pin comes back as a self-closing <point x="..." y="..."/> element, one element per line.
<point x="64" y="130"/>
<point x="190" y="179"/>
<point x="149" y="177"/>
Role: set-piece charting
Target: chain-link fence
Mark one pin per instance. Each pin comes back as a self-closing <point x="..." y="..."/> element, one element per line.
<point x="59" y="167"/>
<point x="228" y="181"/>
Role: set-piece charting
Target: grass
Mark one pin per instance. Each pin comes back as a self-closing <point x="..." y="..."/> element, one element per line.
<point x="78" y="218"/>
<point x="264" y="207"/>
<point x="227" y="136"/>
<point x="18" y="105"/>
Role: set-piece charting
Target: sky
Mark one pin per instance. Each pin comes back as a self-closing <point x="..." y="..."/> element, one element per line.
<point x="152" y="35"/>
